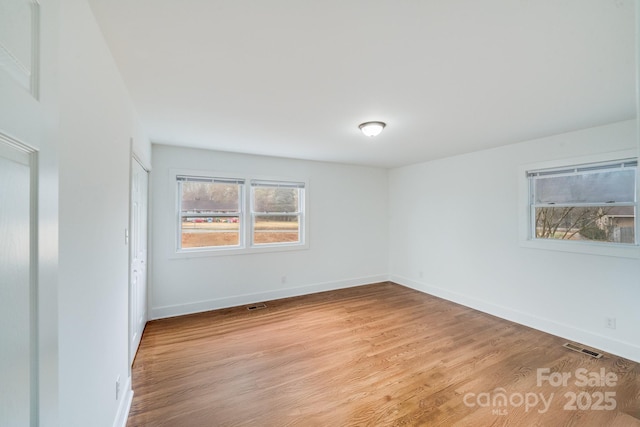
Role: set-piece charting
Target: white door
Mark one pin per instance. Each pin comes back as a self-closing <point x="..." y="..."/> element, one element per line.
<point x="18" y="384"/>
<point x="138" y="242"/>
<point x="28" y="284"/>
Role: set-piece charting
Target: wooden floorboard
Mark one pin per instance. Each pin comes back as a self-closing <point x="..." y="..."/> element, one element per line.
<point x="376" y="355"/>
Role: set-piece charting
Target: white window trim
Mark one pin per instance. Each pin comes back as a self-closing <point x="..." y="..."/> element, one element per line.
<point x="583" y="247"/>
<point x="245" y="246"/>
<point x="301" y="214"/>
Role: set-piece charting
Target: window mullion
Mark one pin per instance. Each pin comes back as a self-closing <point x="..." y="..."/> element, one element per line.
<point x="247" y="223"/>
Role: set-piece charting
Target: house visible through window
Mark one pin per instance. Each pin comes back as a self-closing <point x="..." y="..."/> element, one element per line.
<point x="212" y="215"/>
<point x="594" y="202"/>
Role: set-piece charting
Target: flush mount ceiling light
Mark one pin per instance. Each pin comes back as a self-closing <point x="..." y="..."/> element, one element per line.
<point x="372" y="128"/>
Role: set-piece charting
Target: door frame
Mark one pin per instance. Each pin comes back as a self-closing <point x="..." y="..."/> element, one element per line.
<point x="28" y="156"/>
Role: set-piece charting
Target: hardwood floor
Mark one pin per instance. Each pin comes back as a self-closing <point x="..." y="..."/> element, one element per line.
<point x="376" y="355"/>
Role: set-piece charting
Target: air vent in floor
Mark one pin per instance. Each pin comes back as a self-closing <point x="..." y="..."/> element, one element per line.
<point x="583" y="350"/>
<point x="258" y="306"/>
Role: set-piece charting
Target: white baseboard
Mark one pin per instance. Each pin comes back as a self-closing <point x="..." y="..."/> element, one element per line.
<point x="569" y="332"/>
<point x="233" y="301"/>
<point x="125" y="405"/>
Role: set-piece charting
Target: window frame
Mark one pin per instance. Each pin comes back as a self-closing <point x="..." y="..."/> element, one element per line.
<point x="527" y="209"/>
<point x="246" y="245"/>
<point x="241" y="182"/>
<point x="300" y="212"/>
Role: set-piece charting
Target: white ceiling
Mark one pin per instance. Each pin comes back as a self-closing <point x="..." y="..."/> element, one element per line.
<point x="294" y="78"/>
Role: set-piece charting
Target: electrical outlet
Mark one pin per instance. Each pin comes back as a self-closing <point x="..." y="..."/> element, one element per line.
<point x="610" y="322"/>
<point x="420" y="274"/>
<point x="283" y="279"/>
<point x="118" y="387"/>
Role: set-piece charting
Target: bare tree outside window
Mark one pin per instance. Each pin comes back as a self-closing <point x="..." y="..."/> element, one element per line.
<point x="586" y="223"/>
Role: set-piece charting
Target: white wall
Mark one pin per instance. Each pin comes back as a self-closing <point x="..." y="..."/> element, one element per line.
<point x="454" y="234"/>
<point x="95" y="125"/>
<point x="348" y="235"/>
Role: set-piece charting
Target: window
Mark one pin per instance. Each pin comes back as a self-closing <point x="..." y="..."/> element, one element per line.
<point x="276" y="212"/>
<point x="211" y="214"/>
<point x="592" y="202"/>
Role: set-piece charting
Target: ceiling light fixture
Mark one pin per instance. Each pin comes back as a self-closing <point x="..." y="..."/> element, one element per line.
<point x="372" y="128"/>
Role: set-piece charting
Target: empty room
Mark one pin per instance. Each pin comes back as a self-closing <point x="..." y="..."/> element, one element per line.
<point x="343" y="213"/>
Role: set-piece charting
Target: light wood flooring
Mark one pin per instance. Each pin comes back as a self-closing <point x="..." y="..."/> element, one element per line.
<point x="376" y="355"/>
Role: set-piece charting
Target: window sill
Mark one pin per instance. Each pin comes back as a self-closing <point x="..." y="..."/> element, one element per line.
<point x="214" y="252"/>
<point x="588" y="248"/>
